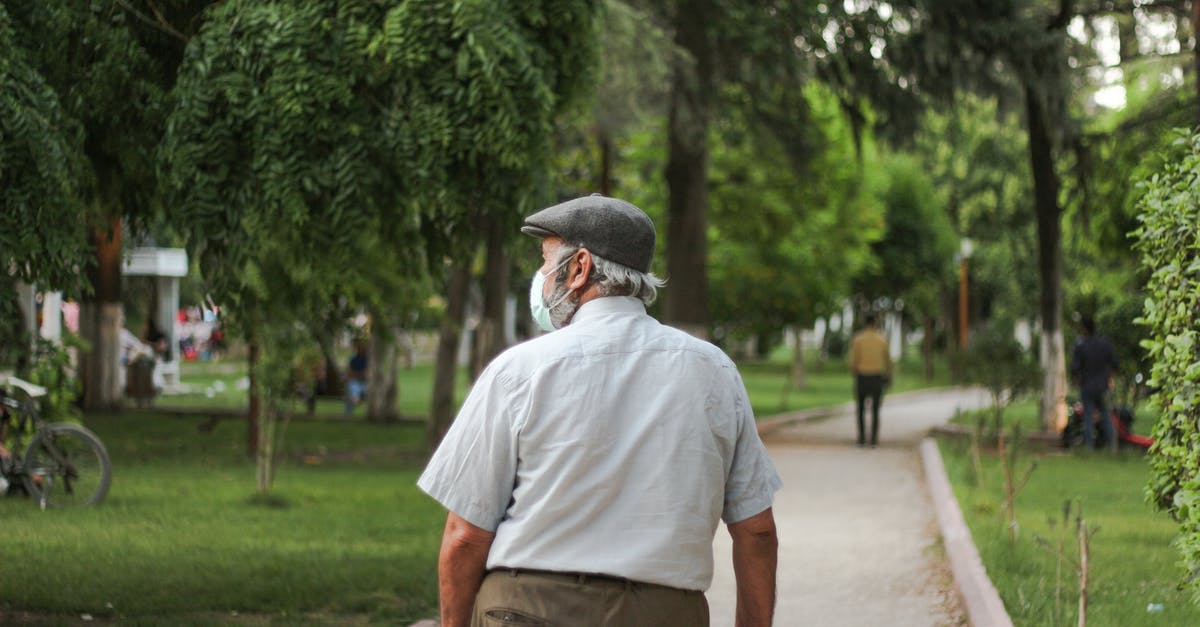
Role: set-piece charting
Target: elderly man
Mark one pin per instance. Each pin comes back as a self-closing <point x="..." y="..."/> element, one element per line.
<point x="588" y="468"/>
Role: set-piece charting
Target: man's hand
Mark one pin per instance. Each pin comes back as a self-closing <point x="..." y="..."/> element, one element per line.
<point x="461" y="565"/>
<point x="755" y="555"/>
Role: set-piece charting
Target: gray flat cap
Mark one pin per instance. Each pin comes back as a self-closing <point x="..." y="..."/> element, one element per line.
<point x="609" y="227"/>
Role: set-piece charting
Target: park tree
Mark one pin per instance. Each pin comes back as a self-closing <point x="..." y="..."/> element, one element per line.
<point x="912" y="262"/>
<point x="973" y="153"/>
<point x="42" y="240"/>
<point x="321" y="150"/>
<point x="109" y="64"/>
<point x="790" y="222"/>
<point x="771" y="50"/>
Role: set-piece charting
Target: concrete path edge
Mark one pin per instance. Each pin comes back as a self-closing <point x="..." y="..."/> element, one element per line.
<point x="979" y="596"/>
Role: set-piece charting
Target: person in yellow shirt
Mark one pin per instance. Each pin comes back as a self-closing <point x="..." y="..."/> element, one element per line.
<point x="871" y="364"/>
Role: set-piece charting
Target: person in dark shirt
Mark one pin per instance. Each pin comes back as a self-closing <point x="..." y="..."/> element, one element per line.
<point x="1092" y="366"/>
<point x="356" y="377"/>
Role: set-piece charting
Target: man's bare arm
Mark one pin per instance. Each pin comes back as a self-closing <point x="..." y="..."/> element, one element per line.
<point x="461" y="565"/>
<point x="755" y="555"/>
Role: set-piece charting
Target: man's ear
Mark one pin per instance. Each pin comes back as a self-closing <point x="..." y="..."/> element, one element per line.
<point x="578" y="277"/>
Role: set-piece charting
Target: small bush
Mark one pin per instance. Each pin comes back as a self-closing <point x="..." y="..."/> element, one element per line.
<point x="995" y="360"/>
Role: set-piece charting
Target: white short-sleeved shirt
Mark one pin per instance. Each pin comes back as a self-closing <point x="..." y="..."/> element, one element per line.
<point x="611" y="446"/>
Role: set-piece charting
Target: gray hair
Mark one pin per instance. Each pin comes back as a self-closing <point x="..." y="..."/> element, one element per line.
<point x="612" y="278"/>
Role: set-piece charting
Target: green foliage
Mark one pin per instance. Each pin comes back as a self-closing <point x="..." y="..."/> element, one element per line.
<point x="335" y="152"/>
<point x="51" y="368"/>
<point x="995" y="360"/>
<point x="108" y="74"/>
<point x="914" y="260"/>
<point x="1169" y="241"/>
<point x="634" y="68"/>
<point x="977" y="159"/>
<point x="309" y="138"/>
<point x="41" y="235"/>
<point x="792" y="260"/>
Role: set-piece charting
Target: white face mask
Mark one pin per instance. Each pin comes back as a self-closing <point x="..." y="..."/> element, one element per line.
<point x="537" y="305"/>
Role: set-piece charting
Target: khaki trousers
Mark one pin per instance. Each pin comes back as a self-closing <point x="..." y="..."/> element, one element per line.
<point x="561" y="599"/>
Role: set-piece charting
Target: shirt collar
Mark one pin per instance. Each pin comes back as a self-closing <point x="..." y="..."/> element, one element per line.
<point x="606" y="305"/>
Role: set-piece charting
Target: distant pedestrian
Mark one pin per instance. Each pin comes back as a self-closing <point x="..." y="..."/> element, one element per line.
<point x="1092" y="367"/>
<point x="871" y="365"/>
<point x="356" y="377"/>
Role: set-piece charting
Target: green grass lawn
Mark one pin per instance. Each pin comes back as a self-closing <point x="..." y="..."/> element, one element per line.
<point x="222" y="385"/>
<point x="1132" y="563"/>
<point x="178" y="540"/>
<point x="1025" y="413"/>
<point x="216" y="385"/>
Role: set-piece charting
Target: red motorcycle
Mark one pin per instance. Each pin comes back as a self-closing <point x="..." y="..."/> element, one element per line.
<point x="1121" y="417"/>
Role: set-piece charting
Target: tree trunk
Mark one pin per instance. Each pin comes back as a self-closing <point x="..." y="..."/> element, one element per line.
<point x="1049" y="221"/>
<point x="489" y="335"/>
<point x="604" y="182"/>
<point x="254" y="410"/>
<point x="685" y="304"/>
<point x="382" y="374"/>
<point x="442" y="410"/>
<point x="799" y="375"/>
<point x="332" y="385"/>
<point x="100" y="320"/>
<point x="927" y="348"/>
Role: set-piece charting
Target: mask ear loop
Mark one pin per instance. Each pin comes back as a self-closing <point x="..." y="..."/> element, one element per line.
<point x="565" y="294"/>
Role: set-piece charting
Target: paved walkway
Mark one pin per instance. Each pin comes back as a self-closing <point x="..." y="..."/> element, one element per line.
<point x="859" y="543"/>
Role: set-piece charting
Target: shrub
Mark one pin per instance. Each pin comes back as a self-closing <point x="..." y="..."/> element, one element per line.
<point x="1169" y="242"/>
<point x="995" y="360"/>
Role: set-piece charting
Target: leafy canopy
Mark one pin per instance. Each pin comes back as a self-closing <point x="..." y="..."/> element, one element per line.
<point x="325" y="149"/>
<point x="41" y="236"/>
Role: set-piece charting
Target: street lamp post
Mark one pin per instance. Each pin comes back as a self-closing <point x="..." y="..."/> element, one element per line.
<point x="964" y="254"/>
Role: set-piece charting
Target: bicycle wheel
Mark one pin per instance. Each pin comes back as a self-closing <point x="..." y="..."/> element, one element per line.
<point x="67" y="466"/>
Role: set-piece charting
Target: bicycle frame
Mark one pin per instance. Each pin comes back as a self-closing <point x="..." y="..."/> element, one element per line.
<point x="49" y="469"/>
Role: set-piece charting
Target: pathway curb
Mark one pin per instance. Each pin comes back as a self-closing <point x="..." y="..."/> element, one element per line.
<point x="979" y="596"/>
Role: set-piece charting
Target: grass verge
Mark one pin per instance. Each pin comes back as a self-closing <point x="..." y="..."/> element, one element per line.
<point x="1132" y="563"/>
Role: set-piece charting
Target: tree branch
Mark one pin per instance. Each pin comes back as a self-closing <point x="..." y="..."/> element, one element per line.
<point x="1066" y="11"/>
<point x="160" y="23"/>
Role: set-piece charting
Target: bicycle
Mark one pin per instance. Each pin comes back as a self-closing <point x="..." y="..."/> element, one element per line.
<point x="64" y="464"/>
